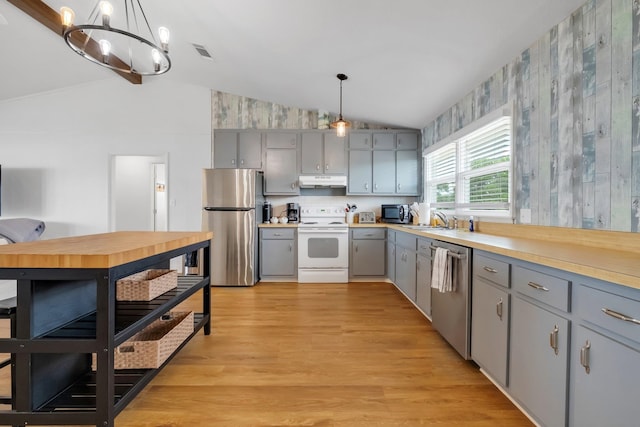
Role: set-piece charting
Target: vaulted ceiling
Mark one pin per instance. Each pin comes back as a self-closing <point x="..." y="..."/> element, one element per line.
<point x="407" y="60"/>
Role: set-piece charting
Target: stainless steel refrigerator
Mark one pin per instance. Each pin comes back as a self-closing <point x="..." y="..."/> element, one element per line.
<point x="232" y="208"/>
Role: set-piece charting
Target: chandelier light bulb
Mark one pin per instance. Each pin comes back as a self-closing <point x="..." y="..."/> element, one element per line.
<point x="105" y="48"/>
<point x="106" y="9"/>
<point x="68" y="16"/>
<point x="164" y="34"/>
<point x="156" y="59"/>
<point x="341" y="129"/>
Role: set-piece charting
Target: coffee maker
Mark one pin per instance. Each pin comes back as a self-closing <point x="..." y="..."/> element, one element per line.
<point x="293" y="212"/>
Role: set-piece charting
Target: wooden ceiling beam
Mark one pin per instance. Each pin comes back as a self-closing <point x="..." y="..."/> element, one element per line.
<point x="48" y="17"/>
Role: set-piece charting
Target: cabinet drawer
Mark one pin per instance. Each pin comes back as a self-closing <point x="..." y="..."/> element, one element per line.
<point x="493" y="270"/>
<point x="406" y="240"/>
<point x="277" y="233"/>
<point x="368" y="233"/>
<point x="424" y="247"/>
<point x="391" y="236"/>
<point x="384" y="141"/>
<point x="591" y="303"/>
<point x="543" y="287"/>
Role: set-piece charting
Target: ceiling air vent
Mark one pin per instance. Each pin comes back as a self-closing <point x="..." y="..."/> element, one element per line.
<point x="202" y="51"/>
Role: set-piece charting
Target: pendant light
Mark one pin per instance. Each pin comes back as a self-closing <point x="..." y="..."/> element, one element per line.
<point x="341" y="125"/>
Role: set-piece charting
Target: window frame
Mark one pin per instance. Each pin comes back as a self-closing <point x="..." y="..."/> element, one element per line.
<point x="461" y="207"/>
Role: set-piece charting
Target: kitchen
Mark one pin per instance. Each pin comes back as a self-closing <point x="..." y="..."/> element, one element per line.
<point x="72" y="218"/>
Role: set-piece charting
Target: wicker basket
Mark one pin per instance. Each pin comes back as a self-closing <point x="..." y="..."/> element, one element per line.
<point x="146" y="285"/>
<point x="149" y="348"/>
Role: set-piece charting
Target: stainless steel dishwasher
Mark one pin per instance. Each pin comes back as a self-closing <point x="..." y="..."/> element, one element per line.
<point x="451" y="311"/>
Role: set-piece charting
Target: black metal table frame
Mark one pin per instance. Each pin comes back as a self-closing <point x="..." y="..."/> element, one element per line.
<point x="64" y="315"/>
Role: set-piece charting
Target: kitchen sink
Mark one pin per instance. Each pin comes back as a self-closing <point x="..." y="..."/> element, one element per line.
<point x="425" y="227"/>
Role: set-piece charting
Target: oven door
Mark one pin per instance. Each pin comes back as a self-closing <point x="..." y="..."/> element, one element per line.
<point x="323" y="247"/>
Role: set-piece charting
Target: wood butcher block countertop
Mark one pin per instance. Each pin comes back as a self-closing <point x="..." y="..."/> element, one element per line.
<point x="96" y="250"/>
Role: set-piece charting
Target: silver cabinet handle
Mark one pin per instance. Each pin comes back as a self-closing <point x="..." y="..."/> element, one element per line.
<point x="489" y="269"/>
<point x="553" y="339"/>
<point x="317" y="166"/>
<point x="538" y="287"/>
<point x="418" y="265"/>
<point x="399" y="186"/>
<point x="620" y="316"/>
<point x="242" y="162"/>
<point x="584" y="356"/>
<point x="277" y="234"/>
<point x="375" y="185"/>
<point x="326" y="166"/>
<point x="356" y="247"/>
<point x="233" y="161"/>
<point x="423" y="247"/>
<point x="290" y="247"/>
<point x="499" y="308"/>
<point x="366" y="185"/>
<point x="293" y="185"/>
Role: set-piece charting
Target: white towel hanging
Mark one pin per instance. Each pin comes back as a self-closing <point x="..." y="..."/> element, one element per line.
<point x="441" y="274"/>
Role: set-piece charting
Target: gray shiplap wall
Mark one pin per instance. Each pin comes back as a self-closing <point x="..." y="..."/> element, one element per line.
<point x="576" y="99"/>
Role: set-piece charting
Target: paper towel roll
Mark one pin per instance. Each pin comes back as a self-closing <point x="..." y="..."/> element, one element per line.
<point x="423" y="213"/>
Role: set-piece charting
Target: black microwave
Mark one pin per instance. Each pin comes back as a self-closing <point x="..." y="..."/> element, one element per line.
<point x="395" y="214"/>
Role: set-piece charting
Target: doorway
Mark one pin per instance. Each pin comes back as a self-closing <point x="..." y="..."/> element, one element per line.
<point x="139" y="193"/>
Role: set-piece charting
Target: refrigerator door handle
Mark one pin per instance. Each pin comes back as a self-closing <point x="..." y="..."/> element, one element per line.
<point x="210" y="209"/>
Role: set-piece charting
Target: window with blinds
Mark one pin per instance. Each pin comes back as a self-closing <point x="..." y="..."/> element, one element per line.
<point x="472" y="174"/>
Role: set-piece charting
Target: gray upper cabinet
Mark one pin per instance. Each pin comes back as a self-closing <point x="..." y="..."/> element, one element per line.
<point x="360" y="168"/>
<point x="392" y="167"/>
<point x="384" y="172"/>
<point x="235" y="149"/>
<point x="281" y="167"/>
<point x="323" y="153"/>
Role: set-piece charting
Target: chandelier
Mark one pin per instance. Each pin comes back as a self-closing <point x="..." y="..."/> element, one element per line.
<point x="119" y="39"/>
<point x="341" y="125"/>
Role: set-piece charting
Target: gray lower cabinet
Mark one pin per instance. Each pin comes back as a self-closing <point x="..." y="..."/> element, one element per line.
<point x="367" y="252"/>
<point x="423" y="276"/>
<point x="605" y="358"/>
<point x="539" y="347"/>
<point x="278" y="253"/>
<point x="406" y="264"/>
<point x="236" y="149"/>
<point x="391" y="255"/>
<point x="281" y="164"/>
<point x="490" y="329"/>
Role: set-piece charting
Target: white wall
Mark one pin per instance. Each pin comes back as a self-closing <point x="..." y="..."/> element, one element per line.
<point x="55" y="150"/>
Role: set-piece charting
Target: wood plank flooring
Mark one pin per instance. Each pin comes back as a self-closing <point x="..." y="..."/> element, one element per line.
<point x="284" y="354"/>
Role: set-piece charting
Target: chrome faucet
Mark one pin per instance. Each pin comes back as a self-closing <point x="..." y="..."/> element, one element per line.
<point x="442" y="217"/>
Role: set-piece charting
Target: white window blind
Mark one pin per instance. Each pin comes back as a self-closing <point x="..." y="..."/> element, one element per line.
<point x="441" y="177"/>
<point x="472" y="174"/>
<point x="485" y="166"/>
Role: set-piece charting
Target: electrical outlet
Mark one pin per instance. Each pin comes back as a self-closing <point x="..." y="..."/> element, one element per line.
<point x="525" y="216"/>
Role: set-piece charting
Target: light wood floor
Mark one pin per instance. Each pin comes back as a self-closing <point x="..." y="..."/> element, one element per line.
<point x="355" y="354"/>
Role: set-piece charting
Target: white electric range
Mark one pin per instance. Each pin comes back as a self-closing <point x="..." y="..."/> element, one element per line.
<point x="323" y="245"/>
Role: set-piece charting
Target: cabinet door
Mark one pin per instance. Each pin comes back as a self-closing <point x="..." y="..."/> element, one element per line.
<point x="607" y="394"/>
<point x="311" y="149"/>
<point x="384" y="172"/>
<point x="277" y="258"/>
<point x="538" y="376"/>
<point x="249" y="150"/>
<point x="335" y="155"/>
<point x="360" y="141"/>
<point x="406" y="168"/>
<point x="225" y="150"/>
<point x="407" y="141"/>
<point x="384" y="141"/>
<point x="280" y="172"/>
<point x="359" y="172"/>
<point x="406" y="272"/>
<point x="391" y="261"/>
<point x="367" y="257"/>
<point x="490" y="329"/>
<point x="423" y="284"/>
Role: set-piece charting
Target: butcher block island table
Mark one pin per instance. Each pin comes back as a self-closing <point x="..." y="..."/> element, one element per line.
<point x="67" y="312"/>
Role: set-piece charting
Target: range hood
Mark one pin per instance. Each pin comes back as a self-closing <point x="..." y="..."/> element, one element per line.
<point x="315" y="181"/>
